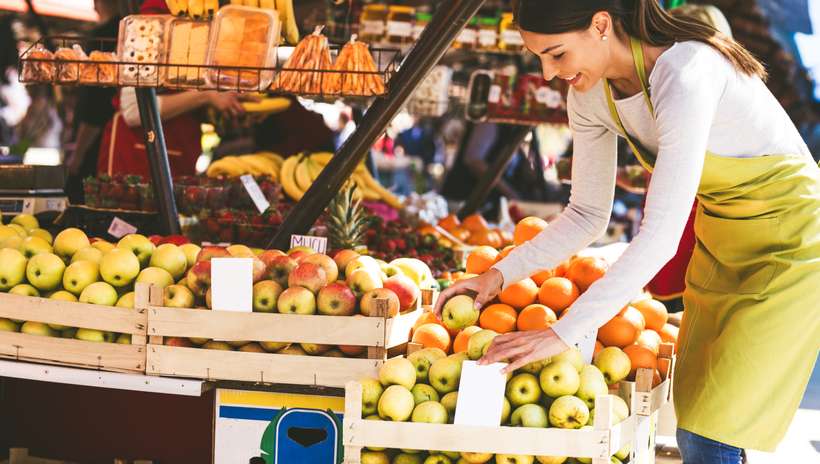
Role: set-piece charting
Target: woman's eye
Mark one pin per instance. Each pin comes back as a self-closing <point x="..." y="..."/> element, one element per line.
<point x="558" y="56"/>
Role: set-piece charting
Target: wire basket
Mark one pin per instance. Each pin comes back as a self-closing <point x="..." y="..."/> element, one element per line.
<point x="39" y="65"/>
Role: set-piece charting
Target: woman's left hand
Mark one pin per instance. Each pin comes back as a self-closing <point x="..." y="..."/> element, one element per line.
<point x="522" y="348"/>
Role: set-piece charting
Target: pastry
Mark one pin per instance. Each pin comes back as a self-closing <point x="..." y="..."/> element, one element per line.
<point x="35" y="70"/>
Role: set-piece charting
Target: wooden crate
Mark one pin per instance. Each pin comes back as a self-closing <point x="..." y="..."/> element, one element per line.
<point x="378" y="334"/>
<point x="599" y="443"/>
<point x="71" y="352"/>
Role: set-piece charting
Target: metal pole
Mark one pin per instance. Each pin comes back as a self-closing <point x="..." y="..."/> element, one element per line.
<point x="158" y="160"/>
<point x="446" y="24"/>
<point x="494" y="171"/>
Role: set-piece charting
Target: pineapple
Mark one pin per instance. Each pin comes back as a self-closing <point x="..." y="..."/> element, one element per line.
<point x="347" y="220"/>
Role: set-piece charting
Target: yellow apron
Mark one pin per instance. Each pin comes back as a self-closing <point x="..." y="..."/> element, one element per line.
<point x="751" y="327"/>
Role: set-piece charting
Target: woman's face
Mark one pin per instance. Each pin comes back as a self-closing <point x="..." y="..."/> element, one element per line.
<point x="579" y="57"/>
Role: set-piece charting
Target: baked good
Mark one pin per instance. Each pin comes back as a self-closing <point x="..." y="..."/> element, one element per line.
<point x="100" y="69"/>
<point x="244" y="37"/>
<point x="35" y="70"/>
<point x="68" y="63"/>
<point x="142" y="48"/>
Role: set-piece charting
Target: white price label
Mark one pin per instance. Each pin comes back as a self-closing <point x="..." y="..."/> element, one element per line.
<point x="467" y="36"/>
<point x="512" y="37"/>
<point x="495" y="94"/>
<point x="477" y="384"/>
<point x="262" y="203"/>
<point x="232" y="284"/>
<point x="399" y="29"/>
<point x="372" y="28"/>
<point x="120" y="228"/>
<point x="487" y="38"/>
<point x="317" y="244"/>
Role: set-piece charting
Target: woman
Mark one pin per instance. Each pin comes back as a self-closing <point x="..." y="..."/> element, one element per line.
<point x="693" y="104"/>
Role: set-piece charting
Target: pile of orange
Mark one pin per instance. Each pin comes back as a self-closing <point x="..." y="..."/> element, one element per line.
<point x="473" y="230"/>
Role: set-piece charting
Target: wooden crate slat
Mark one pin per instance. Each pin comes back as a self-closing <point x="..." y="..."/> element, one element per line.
<point x="399" y="327"/>
<point x="105" y="356"/>
<point x="72" y="314"/>
<point x="289" y="328"/>
<point x="257" y="367"/>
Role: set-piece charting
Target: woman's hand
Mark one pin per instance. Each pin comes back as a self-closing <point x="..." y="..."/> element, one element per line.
<point x="229" y="103"/>
<point x="522" y="348"/>
<point x="485" y="287"/>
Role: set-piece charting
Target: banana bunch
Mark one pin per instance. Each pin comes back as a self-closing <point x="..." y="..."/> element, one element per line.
<point x="196" y="9"/>
<point x="256" y="164"/>
<point x="267" y="105"/>
<point x="299" y="172"/>
<point x="284" y="8"/>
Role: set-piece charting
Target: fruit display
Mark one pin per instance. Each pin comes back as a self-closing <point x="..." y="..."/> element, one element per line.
<point x="128" y="192"/>
<point x="390" y="239"/>
<point x="257" y="164"/>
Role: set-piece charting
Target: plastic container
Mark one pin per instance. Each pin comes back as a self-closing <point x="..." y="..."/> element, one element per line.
<point x="400" y="24"/>
<point x="373" y="23"/>
<point x="488" y="33"/>
<point x="243" y="37"/>
<point x="187" y="49"/>
<point x="142" y="44"/>
<point x="509" y="39"/>
<point x="468" y="37"/>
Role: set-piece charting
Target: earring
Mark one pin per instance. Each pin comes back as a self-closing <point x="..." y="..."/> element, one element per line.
<point x="604" y="38"/>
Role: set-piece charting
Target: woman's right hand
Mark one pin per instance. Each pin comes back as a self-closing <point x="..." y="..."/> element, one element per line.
<point x="229" y="103"/>
<point x="482" y="288"/>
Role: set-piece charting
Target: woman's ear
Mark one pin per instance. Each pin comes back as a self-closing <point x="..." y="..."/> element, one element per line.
<point x="601" y="25"/>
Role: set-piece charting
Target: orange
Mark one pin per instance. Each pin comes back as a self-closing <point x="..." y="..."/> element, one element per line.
<point x="650" y="339"/>
<point x="429" y="230"/>
<point x="474" y="223"/>
<point x="585" y="271"/>
<point x="528" y="228"/>
<point x="561" y="270"/>
<point x="520" y="294"/>
<point x="496" y="240"/>
<point x="484" y="237"/>
<point x="426" y="318"/>
<point x="623" y="329"/>
<point x="480" y="259"/>
<point x="459" y="233"/>
<point x="449" y="223"/>
<point x="506" y="237"/>
<point x="498" y="317"/>
<point x="432" y="336"/>
<point x="558" y="293"/>
<point x="640" y="356"/>
<point x="458" y="275"/>
<point x="541" y="276"/>
<point x="598" y="347"/>
<point x="536" y="317"/>
<point x="463" y="337"/>
<point x="669" y="334"/>
<point x="654" y="313"/>
<point x="504" y="252"/>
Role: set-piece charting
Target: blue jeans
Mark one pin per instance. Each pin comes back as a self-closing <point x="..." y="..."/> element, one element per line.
<point x="696" y="449"/>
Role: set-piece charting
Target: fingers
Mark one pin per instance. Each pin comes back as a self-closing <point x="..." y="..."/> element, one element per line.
<point x="463" y="287"/>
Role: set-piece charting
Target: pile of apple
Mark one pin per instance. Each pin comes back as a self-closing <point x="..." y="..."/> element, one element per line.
<point x="558" y="392"/>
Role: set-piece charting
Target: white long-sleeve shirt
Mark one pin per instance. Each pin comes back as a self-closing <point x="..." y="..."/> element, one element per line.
<point x="701" y="103"/>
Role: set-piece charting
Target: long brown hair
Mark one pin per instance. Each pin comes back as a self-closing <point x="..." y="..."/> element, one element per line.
<point x="643" y="19"/>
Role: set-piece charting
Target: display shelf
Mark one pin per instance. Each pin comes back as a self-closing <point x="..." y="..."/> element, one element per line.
<point x="35" y="70"/>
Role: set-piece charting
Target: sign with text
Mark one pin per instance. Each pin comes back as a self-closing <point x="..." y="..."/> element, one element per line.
<point x="120" y="228"/>
<point x="480" y="394"/>
<point x="232" y="284"/>
<point x="262" y="203"/>
<point x="317" y="244"/>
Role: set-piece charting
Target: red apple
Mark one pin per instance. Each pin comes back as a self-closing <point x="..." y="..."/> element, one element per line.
<point x="280" y="268"/>
<point x="298" y="255"/>
<point x="208" y="252"/>
<point x="336" y="299"/>
<point x="343" y="257"/>
<point x="368" y="304"/>
<point x="260" y="270"/>
<point x="268" y="256"/>
<point x="362" y="281"/>
<point x="407" y="290"/>
<point x="155" y="239"/>
<point x="351" y="350"/>
<point x="178" y="341"/>
<point x="175" y="239"/>
<point x="327" y="264"/>
<point x="308" y="275"/>
<point x="199" y="278"/>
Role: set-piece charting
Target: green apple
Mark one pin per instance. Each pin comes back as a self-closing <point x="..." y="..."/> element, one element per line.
<point x="103" y="246"/>
<point x="422" y="359"/>
<point x="45" y="271"/>
<point x="438" y="459"/>
<point x="24" y="290"/>
<point x="139" y="245"/>
<point x="240" y="251"/>
<point x="315" y="349"/>
<point x="459" y="312"/>
<point x="529" y="415"/>
<point x="215" y="345"/>
<point x="80" y="274"/>
<point x="178" y="296"/>
<point x="88" y="253"/>
<point x="126" y="301"/>
<point x="123" y="339"/>
<point x="19" y="230"/>
<point x="13" y="241"/>
<point x="475" y="458"/>
<point x="408" y="458"/>
<point x="68" y="242"/>
<point x="119" y="267"/>
<point x="191" y="251"/>
<point x="569" y="412"/>
<point x="265" y="295"/>
<point x="592" y="384"/>
<point x="26" y="221"/>
<point x="61" y="295"/>
<point x="156" y="276"/>
<point x="535" y="367"/>
<point x="445" y="374"/>
<point x="90" y="335"/>
<point x="449" y="402"/>
<point x="296" y="300"/>
<point x="271" y="347"/>
<point x="429" y="412"/>
<point x="613" y="363"/>
<point x="620" y="410"/>
<point x="396" y="404"/>
<point x="478" y="342"/>
<point x="513" y="459"/>
<point x="70" y="332"/>
<point x="423" y="392"/>
<point x="34" y="246"/>
<point x="551" y="459"/>
<point x="37" y="328"/>
<point x="573" y="356"/>
<point x="375" y="457"/>
<point x="6" y="325"/>
<point x="372" y="390"/>
<point x="523" y="389"/>
<point x="43" y="234"/>
<point x="506" y="409"/>
<point x="12" y="268"/>
<point x="559" y="378"/>
<point x="169" y="257"/>
<point x="398" y="371"/>
<point x="99" y="293"/>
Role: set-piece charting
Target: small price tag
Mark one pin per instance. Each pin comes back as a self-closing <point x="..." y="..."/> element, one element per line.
<point x="120" y="228"/>
<point x="232" y="284"/>
<point x="495" y="94"/>
<point x="317" y="244"/>
<point x="262" y="203"/>
<point x="477" y="385"/>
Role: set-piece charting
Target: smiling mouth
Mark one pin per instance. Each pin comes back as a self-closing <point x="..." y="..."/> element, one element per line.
<point x="573" y="79"/>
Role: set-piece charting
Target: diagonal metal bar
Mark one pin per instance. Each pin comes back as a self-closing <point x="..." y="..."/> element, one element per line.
<point x="447" y="23"/>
